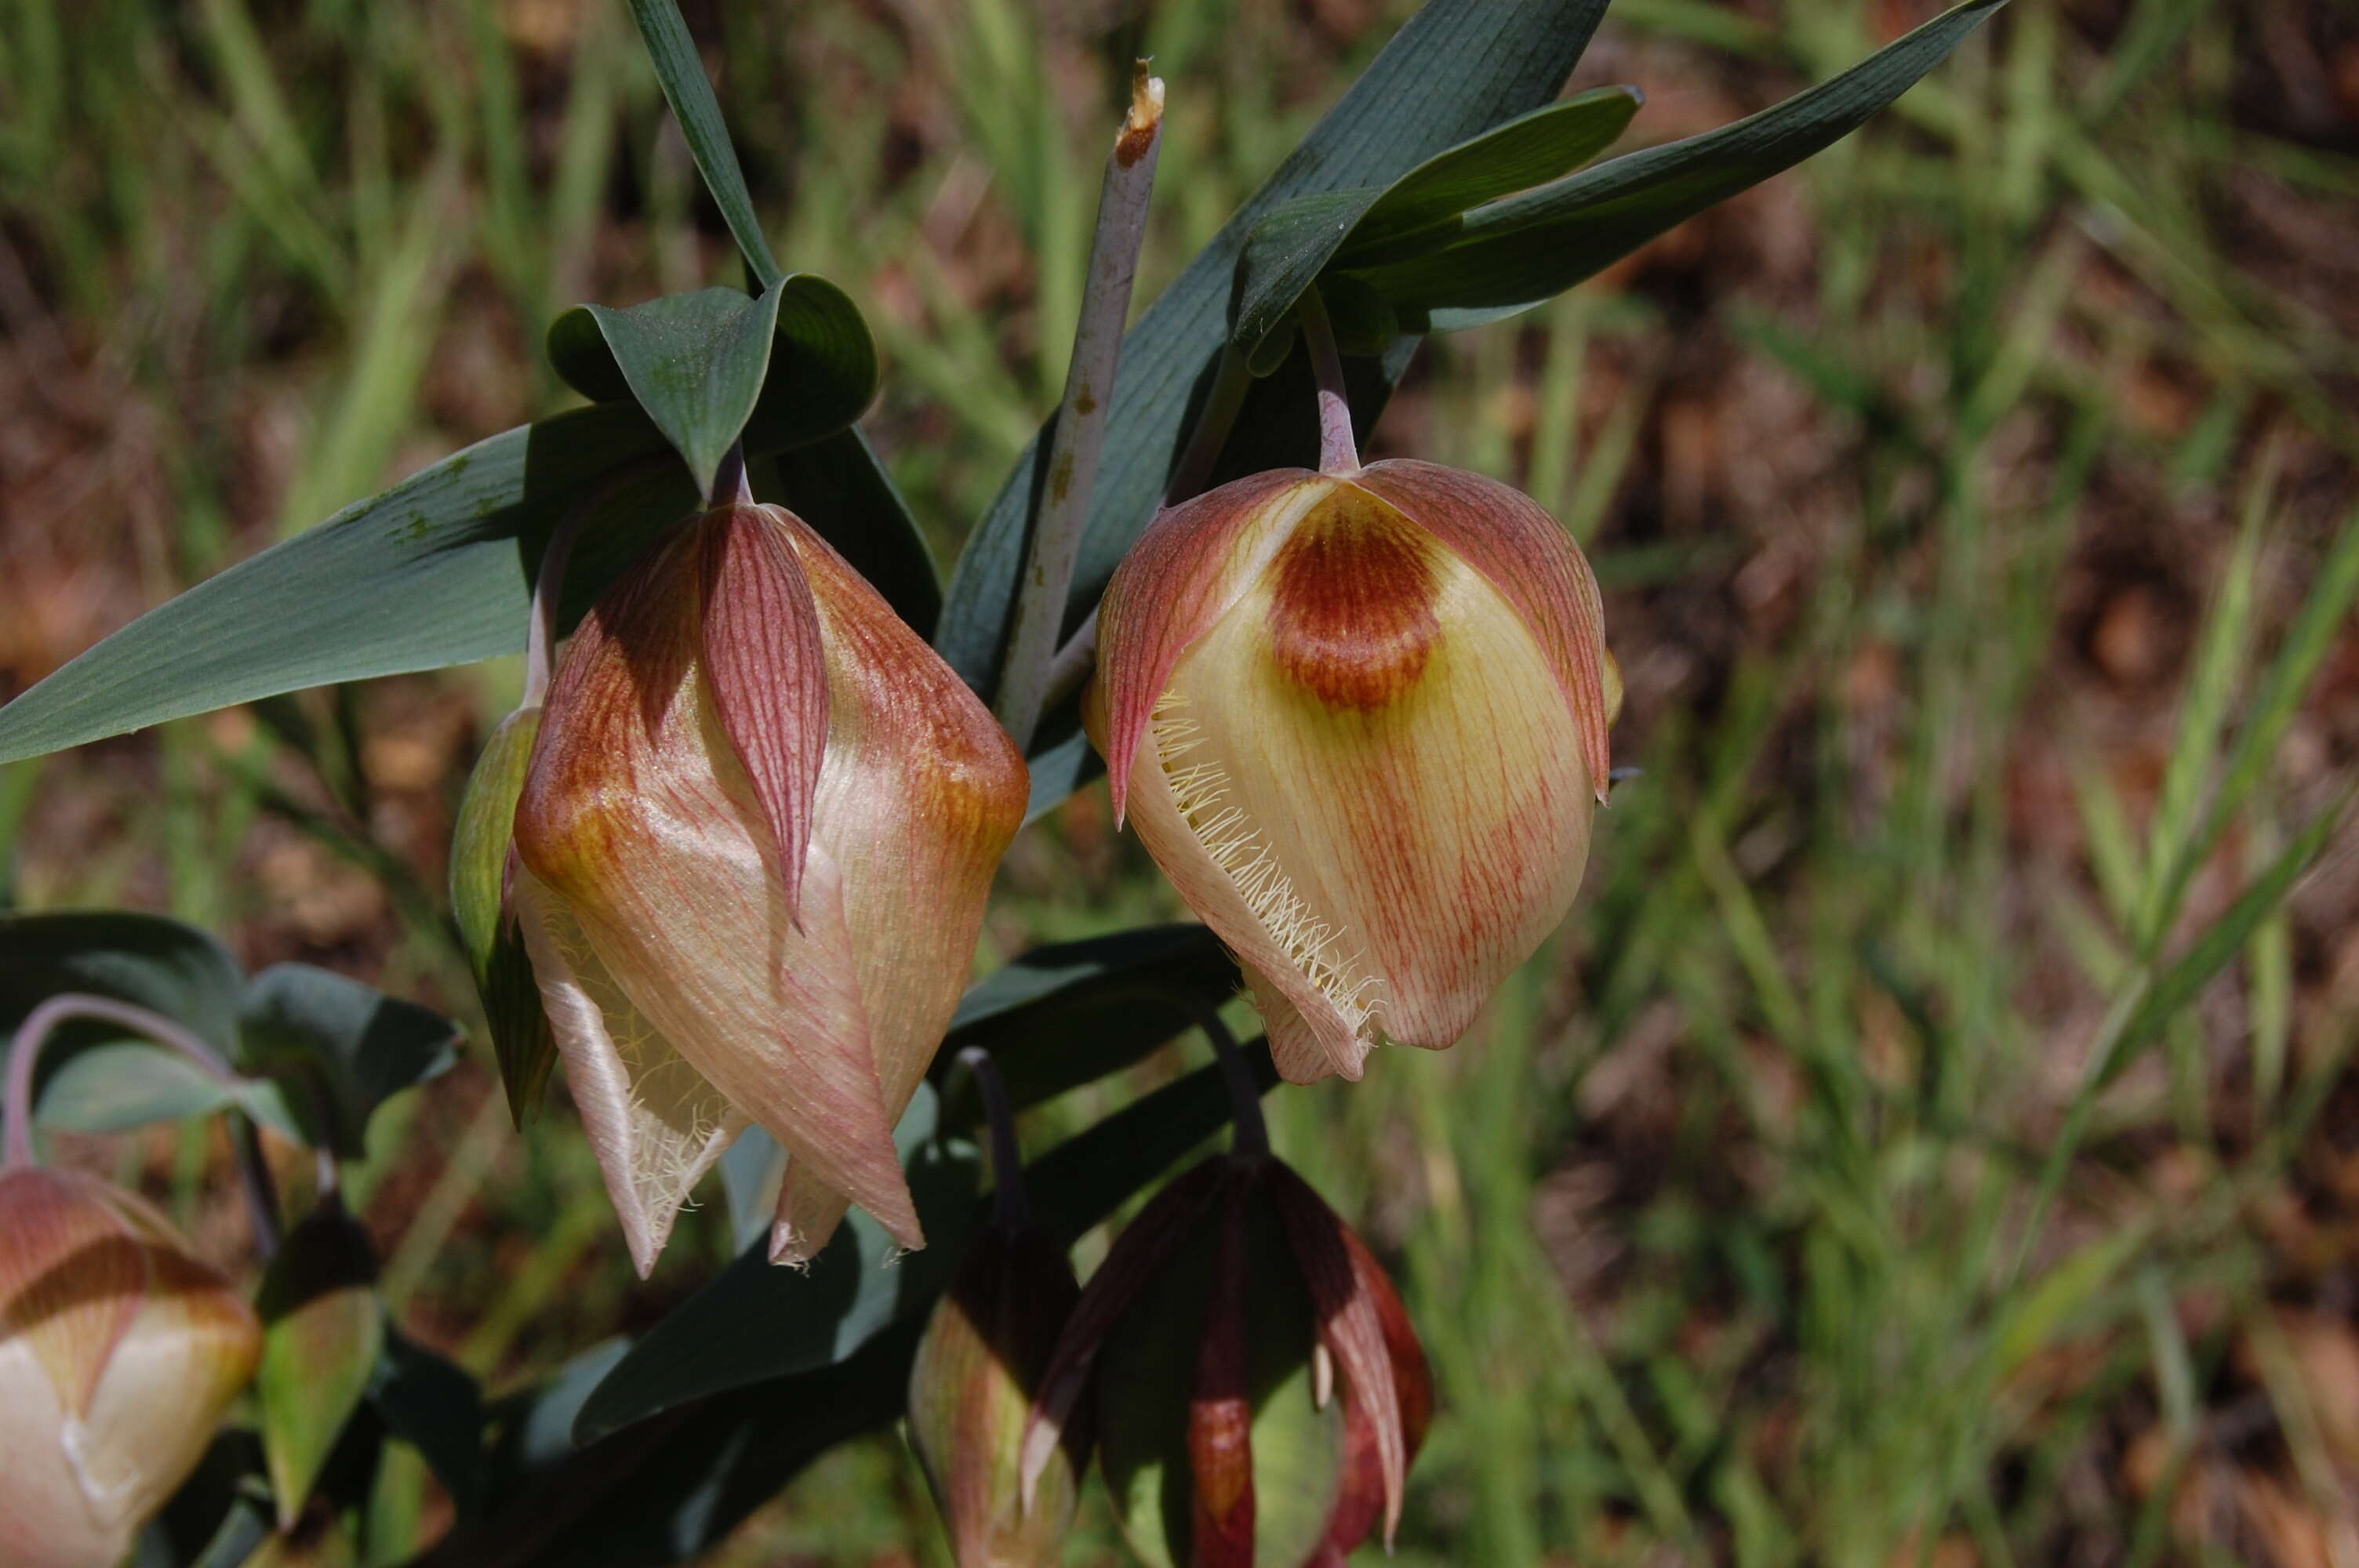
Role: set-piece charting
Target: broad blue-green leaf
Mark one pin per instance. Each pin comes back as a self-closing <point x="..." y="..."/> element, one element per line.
<point x="146" y="960"/>
<point x="1070" y="1013"/>
<point x="697" y="363"/>
<point x="694" y="362"/>
<point x="1456" y="69"/>
<point x="435" y="571"/>
<point x="1516" y="252"/>
<point x="342" y="1047"/>
<point x="1301" y="238"/>
<point x="113" y="1087"/>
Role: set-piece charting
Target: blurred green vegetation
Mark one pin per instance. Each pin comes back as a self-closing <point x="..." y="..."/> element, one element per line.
<point x="1916" y="1149"/>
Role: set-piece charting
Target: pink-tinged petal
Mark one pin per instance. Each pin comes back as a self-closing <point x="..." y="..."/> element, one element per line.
<point x="1187" y="568"/>
<point x="1535" y="565"/>
<point x="1313" y="1003"/>
<point x="920" y="797"/>
<point x="764" y="669"/>
<point x="1220" y="1407"/>
<point x="638" y="816"/>
<point x="656" y="1124"/>
<point x="971" y="1388"/>
<point x="1134" y="1262"/>
<point x="1354" y="749"/>
<point x="1351" y="1327"/>
<point x="1302" y="1055"/>
<point x="71" y="1276"/>
<point x="152" y="1346"/>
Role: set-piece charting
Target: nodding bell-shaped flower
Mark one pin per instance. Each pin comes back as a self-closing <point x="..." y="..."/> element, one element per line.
<point x="1258" y="1394"/>
<point x="971" y="1389"/>
<point x="1360" y="721"/>
<point x="119" y="1353"/>
<point x="754" y="839"/>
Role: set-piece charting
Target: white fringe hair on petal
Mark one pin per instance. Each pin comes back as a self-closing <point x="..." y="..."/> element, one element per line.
<point x="1200" y="791"/>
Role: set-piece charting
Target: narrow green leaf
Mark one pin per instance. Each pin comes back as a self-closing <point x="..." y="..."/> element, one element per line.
<point x="323" y="1329"/>
<point x="689" y="93"/>
<point x="1420" y="207"/>
<point x="436" y="1408"/>
<point x="1284" y="254"/>
<point x="1455" y="70"/>
<point x="759" y="1321"/>
<point x="1518" y="252"/>
<point x="1070" y="1013"/>
<point x="438" y="569"/>
<point x="2316" y="627"/>
<point x="345" y="1048"/>
<point x="2222" y="939"/>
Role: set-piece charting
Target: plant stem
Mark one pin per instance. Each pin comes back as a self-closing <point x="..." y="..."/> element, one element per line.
<point x="729" y="485"/>
<point x="1008" y="1209"/>
<point x="261" y="1197"/>
<point x="1338" y="452"/>
<point x="1230" y="383"/>
<point x="1081" y="422"/>
<point x="1252" y="1139"/>
<point x="1074" y="661"/>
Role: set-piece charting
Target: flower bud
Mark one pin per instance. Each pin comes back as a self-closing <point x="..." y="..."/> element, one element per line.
<point x="1360" y="721"/>
<point x="481" y="859"/>
<point x="756" y="837"/>
<point x="119" y="1353"/>
<point x="972" y="1386"/>
<point x="1258" y="1394"/>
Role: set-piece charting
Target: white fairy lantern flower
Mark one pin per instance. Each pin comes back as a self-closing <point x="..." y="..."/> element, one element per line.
<point x="1359" y="718"/>
<point x="754" y="841"/>
<point x="119" y="1354"/>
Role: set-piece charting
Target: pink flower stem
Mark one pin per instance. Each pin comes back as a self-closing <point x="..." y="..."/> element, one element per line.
<point x="1008" y="1209"/>
<point x="1338" y="451"/>
<point x="261" y="1197"/>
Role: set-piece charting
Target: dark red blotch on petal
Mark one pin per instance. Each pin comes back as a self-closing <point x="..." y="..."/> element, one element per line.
<point x="1352" y="614"/>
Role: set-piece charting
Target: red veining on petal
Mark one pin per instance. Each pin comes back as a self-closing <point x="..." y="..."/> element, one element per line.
<point x="1220" y="1411"/>
<point x="1351" y="608"/>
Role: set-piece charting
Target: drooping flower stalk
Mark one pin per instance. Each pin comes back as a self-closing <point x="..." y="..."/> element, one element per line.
<point x="253" y="1176"/>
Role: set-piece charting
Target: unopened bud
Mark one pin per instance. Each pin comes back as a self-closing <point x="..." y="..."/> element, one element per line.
<point x="119" y="1353"/>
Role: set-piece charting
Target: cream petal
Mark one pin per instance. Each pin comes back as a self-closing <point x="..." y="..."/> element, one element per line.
<point x="46" y="1519"/>
<point x="1190" y="566"/>
<point x="71" y="1275"/>
<point x="1535" y="565"/>
<point x="655" y="1122"/>
<point x="1356" y="746"/>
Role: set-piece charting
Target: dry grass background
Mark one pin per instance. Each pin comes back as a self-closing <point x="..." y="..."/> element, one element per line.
<point x="1943" y="491"/>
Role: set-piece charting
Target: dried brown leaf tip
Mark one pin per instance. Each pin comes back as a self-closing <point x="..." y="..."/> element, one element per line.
<point x="1258" y="1393"/>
